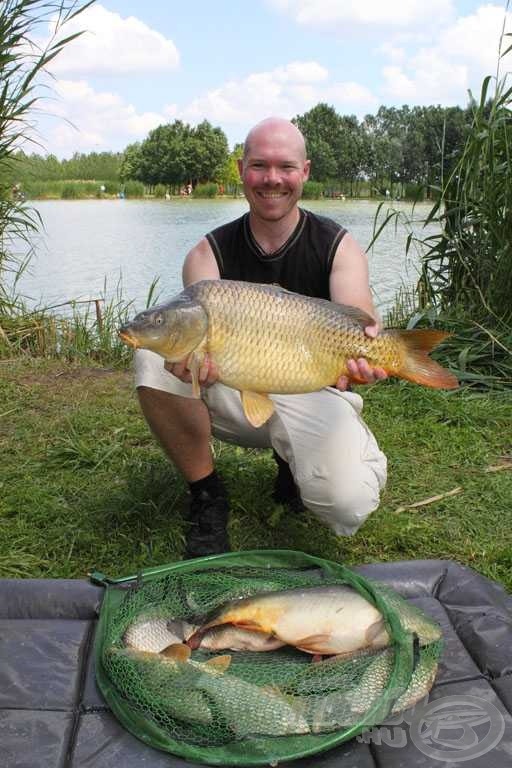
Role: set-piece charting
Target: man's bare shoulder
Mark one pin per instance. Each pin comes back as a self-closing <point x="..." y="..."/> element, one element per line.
<point x="200" y="264"/>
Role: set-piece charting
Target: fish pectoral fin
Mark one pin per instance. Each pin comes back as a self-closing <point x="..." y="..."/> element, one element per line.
<point x="313" y="643"/>
<point x="250" y="625"/>
<point x="177" y="652"/>
<point x="194" y="363"/>
<point x="258" y="407"/>
<point x="376" y="634"/>
<point x="219" y="663"/>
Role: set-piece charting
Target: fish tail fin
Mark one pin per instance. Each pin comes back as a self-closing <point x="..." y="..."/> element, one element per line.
<point x="417" y="366"/>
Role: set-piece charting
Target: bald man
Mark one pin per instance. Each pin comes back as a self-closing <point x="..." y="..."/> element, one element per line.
<point x="327" y="458"/>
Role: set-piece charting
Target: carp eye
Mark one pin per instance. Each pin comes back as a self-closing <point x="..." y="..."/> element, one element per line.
<point x="158" y="320"/>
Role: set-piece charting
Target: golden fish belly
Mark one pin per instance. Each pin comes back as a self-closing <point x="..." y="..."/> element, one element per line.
<point x="267" y="340"/>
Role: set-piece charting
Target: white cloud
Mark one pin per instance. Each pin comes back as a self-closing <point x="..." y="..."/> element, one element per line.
<point x="394" y="53"/>
<point x="284" y="92"/>
<point x="463" y="54"/>
<point x="475" y="38"/>
<point x="86" y="120"/>
<point x="113" y="45"/>
<point x="338" y="14"/>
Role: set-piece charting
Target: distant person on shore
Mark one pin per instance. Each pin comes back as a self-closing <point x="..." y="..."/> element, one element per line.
<point x="327" y="458"/>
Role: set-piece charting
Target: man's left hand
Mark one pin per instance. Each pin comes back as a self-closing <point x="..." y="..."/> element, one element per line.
<point x="359" y="371"/>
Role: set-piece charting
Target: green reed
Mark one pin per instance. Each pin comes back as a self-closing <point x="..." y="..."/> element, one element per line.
<point x="22" y="63"/>
<point x="465" y="282"/>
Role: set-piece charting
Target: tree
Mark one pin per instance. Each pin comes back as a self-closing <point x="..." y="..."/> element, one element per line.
<point x="321" y="128"/>
<point x="206" y="152"/>
<point x="130" y="163"/>
<point x="229" y="175"/>
<point x="176" y="154"/>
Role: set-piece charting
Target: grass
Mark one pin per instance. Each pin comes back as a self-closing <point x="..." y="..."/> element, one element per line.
<point x="84" y="485"/>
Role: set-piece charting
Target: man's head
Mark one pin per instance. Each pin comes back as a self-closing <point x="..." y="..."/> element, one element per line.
<point x="274" y="168"/>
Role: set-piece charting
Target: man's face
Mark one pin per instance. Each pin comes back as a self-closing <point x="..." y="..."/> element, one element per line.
<point x="273" y="173"/>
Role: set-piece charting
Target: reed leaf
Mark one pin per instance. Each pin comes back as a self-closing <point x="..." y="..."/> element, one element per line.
<point x="21" y="65"/>
<point x="465" y="282"/>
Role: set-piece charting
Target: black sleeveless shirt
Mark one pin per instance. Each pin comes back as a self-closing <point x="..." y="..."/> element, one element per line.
<point x="303" y="264"/>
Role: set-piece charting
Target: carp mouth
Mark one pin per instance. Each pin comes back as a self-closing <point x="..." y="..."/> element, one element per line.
<point x="127" y="337"/>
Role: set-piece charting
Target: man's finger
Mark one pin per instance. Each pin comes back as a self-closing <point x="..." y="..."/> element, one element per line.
<point x="342" y="383"/>
<point x="204" y="370"/>
<point x="372" y="330"/>
<point x="380" y="373"/>
<point x="213" y="374"/>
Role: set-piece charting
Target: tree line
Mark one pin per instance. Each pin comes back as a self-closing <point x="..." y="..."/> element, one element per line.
<point x="397" y="149"/>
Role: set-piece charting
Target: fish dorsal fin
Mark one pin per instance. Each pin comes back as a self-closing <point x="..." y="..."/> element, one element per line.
<point x="357" y="315"/>
<point x="220" y="663"/>
<point x="177" y="652"/>
<point x="258" y="407"/>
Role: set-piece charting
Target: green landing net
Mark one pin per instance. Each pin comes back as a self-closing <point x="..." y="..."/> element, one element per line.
<point x="269" y="706"/>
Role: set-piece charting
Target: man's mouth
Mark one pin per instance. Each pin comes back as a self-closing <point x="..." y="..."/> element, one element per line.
<point x="272" y="195"/>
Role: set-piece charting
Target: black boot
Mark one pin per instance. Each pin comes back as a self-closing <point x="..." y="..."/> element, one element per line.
<point x="285" y="491"/>
<point x="207" y="518"/>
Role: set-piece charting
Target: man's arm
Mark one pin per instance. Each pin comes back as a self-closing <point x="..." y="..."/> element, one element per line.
<point x="349" y="284"/>
<point x="199" y="264"/>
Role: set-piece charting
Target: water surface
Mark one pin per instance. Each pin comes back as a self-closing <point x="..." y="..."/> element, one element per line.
<point x="87" y="244"/>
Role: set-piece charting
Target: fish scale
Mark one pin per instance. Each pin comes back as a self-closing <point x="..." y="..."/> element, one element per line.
<point x="253" y="337"/>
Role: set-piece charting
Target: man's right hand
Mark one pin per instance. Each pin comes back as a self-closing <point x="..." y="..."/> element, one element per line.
<point x="208" y="372"/>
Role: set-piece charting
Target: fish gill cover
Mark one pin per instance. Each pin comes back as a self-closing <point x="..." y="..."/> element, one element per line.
<point x="251" y="707"/>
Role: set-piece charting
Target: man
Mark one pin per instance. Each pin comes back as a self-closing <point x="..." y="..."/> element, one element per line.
<point x="325" y="453"/>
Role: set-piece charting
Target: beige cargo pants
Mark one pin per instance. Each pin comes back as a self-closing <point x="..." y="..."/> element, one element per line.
<point x="332" y="454"/>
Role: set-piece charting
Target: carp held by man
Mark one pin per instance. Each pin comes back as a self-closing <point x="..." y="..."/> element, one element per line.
<point x="264" y="339"/>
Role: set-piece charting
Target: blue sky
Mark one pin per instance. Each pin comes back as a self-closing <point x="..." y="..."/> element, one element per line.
<point x="140" y="64"/>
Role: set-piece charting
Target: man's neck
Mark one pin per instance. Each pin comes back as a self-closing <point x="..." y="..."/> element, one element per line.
<point x="272" y="235"/>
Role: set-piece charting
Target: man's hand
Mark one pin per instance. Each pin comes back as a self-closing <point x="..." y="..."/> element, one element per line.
<point x="360" y="371"/>
<point x="208" y="372"/>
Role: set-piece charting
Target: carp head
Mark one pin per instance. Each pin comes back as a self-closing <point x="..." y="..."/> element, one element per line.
<point x="172" y="330"/>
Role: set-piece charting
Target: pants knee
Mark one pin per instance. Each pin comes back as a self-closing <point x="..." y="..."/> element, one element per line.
<point x="341" y="504"/>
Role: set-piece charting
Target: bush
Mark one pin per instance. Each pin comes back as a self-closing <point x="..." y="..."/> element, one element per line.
<point x="111" y="187"/>
<point x="414" y="192"/>
<point x="160" y="190"/>
<point x="71" y="191"/>
<point x="313" y="190"/>
<point x="134" y="189"/>
<point x="205" y="190"/>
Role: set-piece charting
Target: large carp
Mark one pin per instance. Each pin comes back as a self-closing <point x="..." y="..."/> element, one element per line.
<point x="333" y="619"/>
<point x="264" y="339"/>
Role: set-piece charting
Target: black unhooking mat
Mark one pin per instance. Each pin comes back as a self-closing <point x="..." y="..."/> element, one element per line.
<point x="53" y="716"/>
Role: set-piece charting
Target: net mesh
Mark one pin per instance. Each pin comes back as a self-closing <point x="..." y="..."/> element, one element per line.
<point x="258" y="700"/>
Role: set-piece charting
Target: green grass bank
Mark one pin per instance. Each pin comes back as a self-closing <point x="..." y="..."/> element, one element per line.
<point x="84" y="485"/>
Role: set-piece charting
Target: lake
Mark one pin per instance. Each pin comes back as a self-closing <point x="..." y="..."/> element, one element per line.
<point x="89" y="244"/>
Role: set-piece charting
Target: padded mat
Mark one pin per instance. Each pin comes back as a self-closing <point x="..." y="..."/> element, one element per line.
<point x="53" y="716"/>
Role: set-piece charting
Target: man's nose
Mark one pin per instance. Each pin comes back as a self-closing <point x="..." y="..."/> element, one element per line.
<point x="271" y="175"/>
